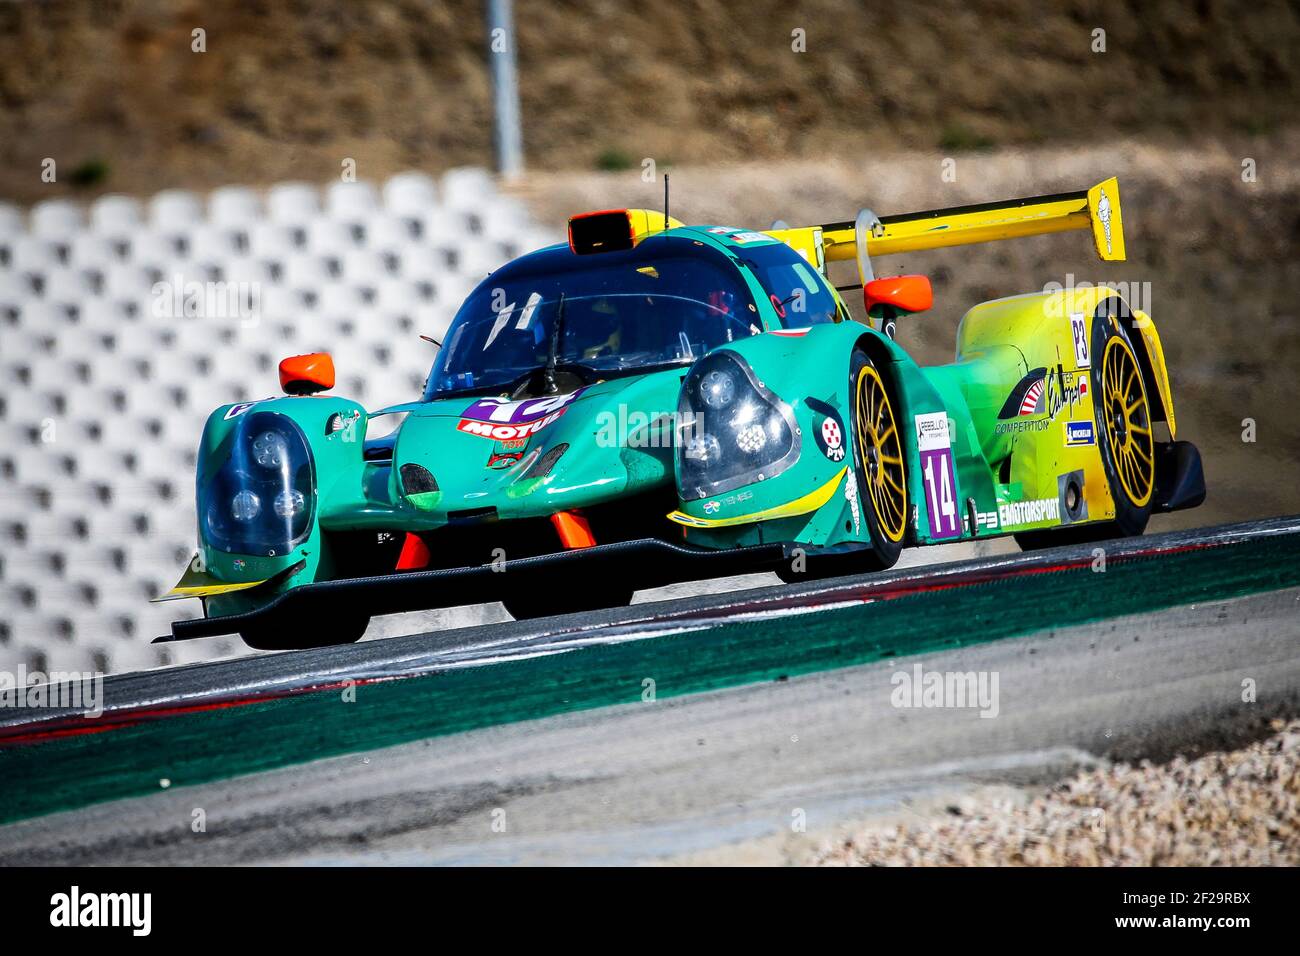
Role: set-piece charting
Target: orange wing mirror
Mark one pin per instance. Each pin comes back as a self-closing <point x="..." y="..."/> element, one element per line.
<point x="897" y="294"/>
<point x="307" y="374"/>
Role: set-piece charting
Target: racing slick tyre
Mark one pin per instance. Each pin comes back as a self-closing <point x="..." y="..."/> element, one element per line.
<point x="1125" y="438"/>
<point x="878" y="468"/>
<point x="547" y="602"/>
<point x="1125" y="432"/>
<point x="324" y="630"/>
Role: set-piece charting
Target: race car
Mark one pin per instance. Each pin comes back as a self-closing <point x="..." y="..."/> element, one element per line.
<point x="654" y="402"/>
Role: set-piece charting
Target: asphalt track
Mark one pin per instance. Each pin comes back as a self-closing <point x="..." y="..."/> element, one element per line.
<point x="769" y="702"/>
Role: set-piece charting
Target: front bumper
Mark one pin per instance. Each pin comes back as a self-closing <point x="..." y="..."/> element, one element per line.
<point x="648" y="562"/>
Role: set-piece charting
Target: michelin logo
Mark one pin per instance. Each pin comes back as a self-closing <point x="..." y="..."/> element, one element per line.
<point x="1079" y="433"/>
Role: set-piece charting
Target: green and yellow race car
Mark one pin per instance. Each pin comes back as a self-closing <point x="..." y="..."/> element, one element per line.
<point x="655" y="402"/>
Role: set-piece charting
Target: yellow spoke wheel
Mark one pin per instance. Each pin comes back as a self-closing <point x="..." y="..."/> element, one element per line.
<point x="881" y="454"/>
<point x="1126" y="417"/>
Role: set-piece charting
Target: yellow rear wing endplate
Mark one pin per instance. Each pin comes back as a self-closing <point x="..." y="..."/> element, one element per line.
<point x="1095" y="210"/>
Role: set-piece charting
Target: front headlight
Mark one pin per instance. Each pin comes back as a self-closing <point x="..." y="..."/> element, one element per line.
<point x="732" y="430"/>
<point x="261" y="500"/>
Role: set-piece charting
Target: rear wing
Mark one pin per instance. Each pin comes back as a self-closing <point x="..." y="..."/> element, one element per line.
<point x="1095" y="209"/>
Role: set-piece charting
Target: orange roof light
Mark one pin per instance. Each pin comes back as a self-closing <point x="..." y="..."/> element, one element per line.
<point x="610" y="230"/>
<point x="307" y="374"/>
<point x="607" y="230"/>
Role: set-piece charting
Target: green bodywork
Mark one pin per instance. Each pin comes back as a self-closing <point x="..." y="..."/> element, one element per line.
<point x="808" y="370"/>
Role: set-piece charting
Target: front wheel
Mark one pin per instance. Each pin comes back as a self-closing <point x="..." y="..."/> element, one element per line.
<point x="878" y="462"/>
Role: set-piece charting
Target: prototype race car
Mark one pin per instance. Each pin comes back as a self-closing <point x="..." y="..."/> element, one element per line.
<point x="655" y="402"/>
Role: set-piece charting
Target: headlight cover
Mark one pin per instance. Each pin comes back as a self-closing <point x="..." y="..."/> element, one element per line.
<point x="262" y="498"/>
<point x="731" y="429"/>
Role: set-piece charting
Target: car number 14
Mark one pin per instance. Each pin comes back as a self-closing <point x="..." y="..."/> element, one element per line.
<point x="936" y="467"/>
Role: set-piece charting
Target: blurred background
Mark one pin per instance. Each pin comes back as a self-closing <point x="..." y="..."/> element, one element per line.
<point x="338" y="157"/>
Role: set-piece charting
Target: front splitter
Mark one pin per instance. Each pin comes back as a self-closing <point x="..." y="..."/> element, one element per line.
<point x="647" y="563"/>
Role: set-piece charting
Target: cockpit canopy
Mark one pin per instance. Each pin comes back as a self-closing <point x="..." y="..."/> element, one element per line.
<point x="664" y="303"/>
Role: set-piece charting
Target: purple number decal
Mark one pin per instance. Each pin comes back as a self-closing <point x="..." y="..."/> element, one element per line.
<point x="938" y="477"/>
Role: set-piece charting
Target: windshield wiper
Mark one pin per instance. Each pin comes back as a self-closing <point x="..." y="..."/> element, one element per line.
<point x="553" y="352"/>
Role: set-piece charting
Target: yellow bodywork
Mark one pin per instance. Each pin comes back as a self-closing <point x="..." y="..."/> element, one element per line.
<point x="1096" y="210"/>
<point x="646" y="222"/>
<point x="808" y="503"/>
<point x="1156" y="353"/>
<point x="199" y="584"/>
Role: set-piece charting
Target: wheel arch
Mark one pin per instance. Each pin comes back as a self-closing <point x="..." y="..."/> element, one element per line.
<point x="893" y="363"/>
<point x="1145" y="340"/>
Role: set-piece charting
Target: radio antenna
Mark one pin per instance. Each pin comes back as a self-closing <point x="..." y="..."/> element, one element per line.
<point x="665" y="201"/>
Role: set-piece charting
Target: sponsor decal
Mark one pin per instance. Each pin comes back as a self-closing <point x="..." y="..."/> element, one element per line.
<point x="239" y="564"/>
<point x="828" y="429"/>
<point x="1039" y="397"/>
<point x="791" y="333"/>
<point x="939" y="477"/>
<point x="1034" y="511"/>
<point x="712" y="507"/>
<point x="1032" y="403"/>
<point x="501" y="460"/>
<point x="986" y="519"/>
<point x="1026" y="399"/>
<point x="1079" y="333"/>
<point x="1079" y="433"/>
<point x="1103" y="213"/>
<point x="832" y="439"/>
<point x="505" y="432"/>
<point x="851" y="494"/>
<point x="504" y="420"/>
<point x="1022" y="425"/>
<point x="743" y="237"/>
<point x="1064" y="390"/>
<point x="236" y="410"/>
<point x="723" y="230"/>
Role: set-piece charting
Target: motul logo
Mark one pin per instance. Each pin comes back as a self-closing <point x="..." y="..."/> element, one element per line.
<point x="506" y="432"/>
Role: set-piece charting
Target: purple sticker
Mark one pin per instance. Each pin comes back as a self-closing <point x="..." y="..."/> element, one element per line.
<point x="938" y="478"/>
<point x="500" y="411"/>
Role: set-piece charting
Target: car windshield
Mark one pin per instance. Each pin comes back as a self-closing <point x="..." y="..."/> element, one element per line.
<point x="799" y="297"/>
<point x="664" y="303"/>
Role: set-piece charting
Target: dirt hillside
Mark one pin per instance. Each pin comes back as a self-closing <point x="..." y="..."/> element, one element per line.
<point x="114" y="92"/>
